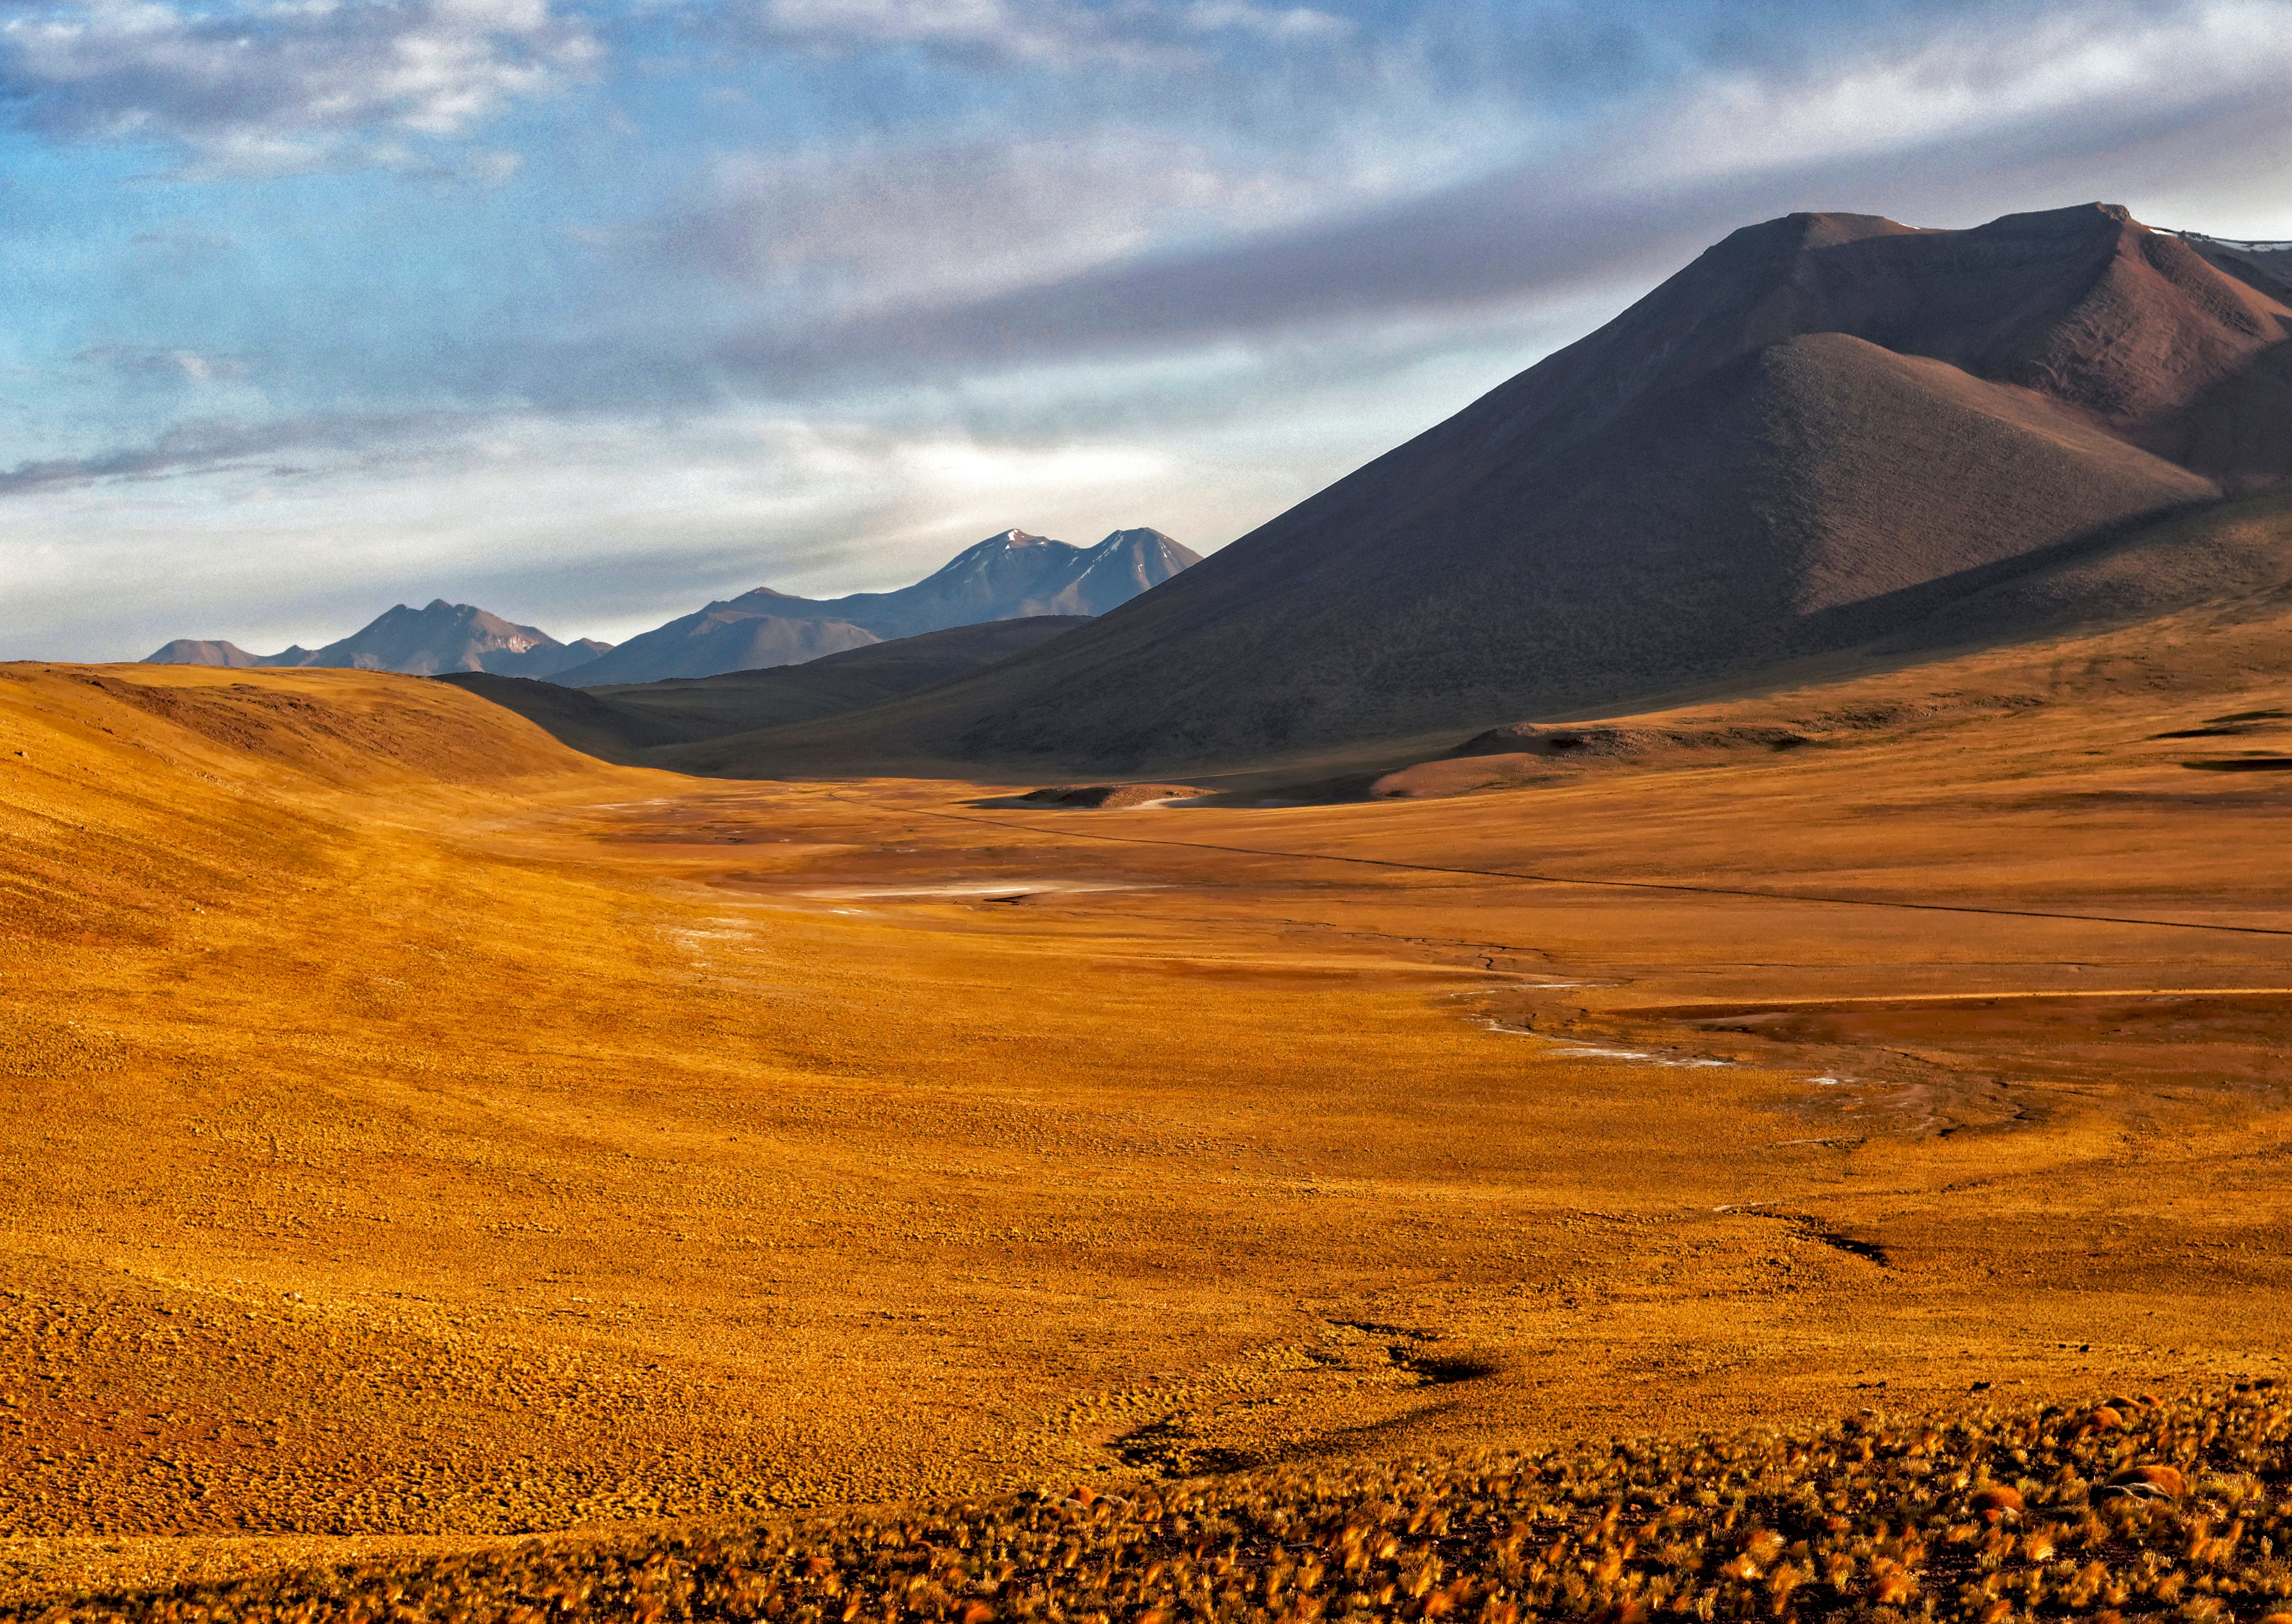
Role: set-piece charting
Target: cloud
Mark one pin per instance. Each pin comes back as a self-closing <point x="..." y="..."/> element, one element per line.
<point x="1964" y="124"/>
<point x="1296" y="22"/>
<point x="189" y="365"/>
<point x="877" y="224"/>
<point x="283" y="86"/>
<point x="478" y="514"/>
<point x="213" y="444"/>
<point x="1051" y="33"/>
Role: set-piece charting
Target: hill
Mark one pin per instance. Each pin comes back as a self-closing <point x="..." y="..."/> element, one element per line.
<point x="1814" y="437"/>
<point x="1004" y="577"/>
<point x="619" y="723"/>
<point x="441" y="637"/>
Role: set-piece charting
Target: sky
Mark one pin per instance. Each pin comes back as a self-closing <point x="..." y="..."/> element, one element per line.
<point x="589" y="311"/>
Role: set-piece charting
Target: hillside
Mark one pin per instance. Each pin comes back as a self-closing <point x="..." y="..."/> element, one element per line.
<point x="2226" y="565"/>
<point x="722" y="637"/>
<point x="621" y="723"/>
<point x="1008" y="577"/>
<point x="1814" y="437"/>
<point x="2115" y="1501"/>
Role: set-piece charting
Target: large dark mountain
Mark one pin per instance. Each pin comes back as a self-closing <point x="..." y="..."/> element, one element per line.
<point x="1004" y="577"/>
<point x="1817" y="435"/>
<point x="443" y="637"/>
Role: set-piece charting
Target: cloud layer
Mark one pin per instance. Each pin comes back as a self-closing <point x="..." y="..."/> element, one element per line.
<point x="285" y="86"/>
<point x="290" y="270"/>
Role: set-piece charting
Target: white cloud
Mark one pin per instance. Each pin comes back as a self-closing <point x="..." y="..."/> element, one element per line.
<point x="1059" y="34"/>
<point x="1054" y="33"/>
<point x="188" y="365"/>
<point x="281" y="85"/>
<point x="1296" y="22"/>
<point x="598" y="528"/>
<point x="883" y="223"/>
<point x="2073" y="70"/>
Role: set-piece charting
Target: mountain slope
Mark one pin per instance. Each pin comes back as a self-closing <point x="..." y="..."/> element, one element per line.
<point x="1816" y="435"/>
<point x="1004" y="577"/>
<point x="441" y="637"/>
<point x="723" y="637"/>
<point x="619" y="723"/>
<point x="446" y="637"/>
<point x="1013" y="575"/>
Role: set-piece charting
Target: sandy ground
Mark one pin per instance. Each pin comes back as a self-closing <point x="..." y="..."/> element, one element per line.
<point x="414" y="1133"/>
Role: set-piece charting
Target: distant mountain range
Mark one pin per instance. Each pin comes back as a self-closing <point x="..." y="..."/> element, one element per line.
<point x="443" y="637"/>
<point x="1004" y="577"/>
<point x="1008" y="577"/>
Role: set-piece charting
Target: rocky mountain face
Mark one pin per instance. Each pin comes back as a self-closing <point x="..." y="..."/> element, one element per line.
<point x="1818" y="433"/>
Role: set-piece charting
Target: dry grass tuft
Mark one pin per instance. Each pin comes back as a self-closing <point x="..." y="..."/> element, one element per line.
<point x="1870" y="1519"/>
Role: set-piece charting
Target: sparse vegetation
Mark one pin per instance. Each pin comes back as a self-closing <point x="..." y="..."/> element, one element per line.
<point x="419" y="1138"/>
<point x="2130" y="1508"/>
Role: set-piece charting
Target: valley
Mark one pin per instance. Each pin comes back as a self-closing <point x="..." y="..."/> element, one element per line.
<point x="421" y="1135"/>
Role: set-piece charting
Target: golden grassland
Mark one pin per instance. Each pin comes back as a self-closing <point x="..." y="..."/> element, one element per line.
<point x="417" y="1135"/>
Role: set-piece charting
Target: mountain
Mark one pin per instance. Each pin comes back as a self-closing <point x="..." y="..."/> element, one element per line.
<point x="621" y="723"/>
<point x="193" y="651"/>
<point x="1014" y="574"/>
<point x="723" y="637"/>
<point x="1816" y="434"/>
<point x="1004" y="577"/>
<point x="450" y="637"/>
<point x="443" y="637"/>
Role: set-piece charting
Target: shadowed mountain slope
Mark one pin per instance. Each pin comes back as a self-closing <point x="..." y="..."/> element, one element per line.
<point x="723" y="637"/>
<point x="443" y="637"/>
<point x="1815" y="436"/>
<point x="619" y="723"/>
<point x="1004" y="577"/>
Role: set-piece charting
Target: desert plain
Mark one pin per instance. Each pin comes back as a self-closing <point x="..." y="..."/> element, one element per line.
<point x="419" y="1135"/>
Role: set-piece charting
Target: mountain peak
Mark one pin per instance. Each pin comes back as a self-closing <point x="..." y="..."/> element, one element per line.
<point x="439" y="637"/>
<point x="1013" y="575"/>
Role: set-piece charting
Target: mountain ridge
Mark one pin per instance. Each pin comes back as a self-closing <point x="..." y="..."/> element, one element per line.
<point x="440" y="637"/>
<point x="1009" y="575"/>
